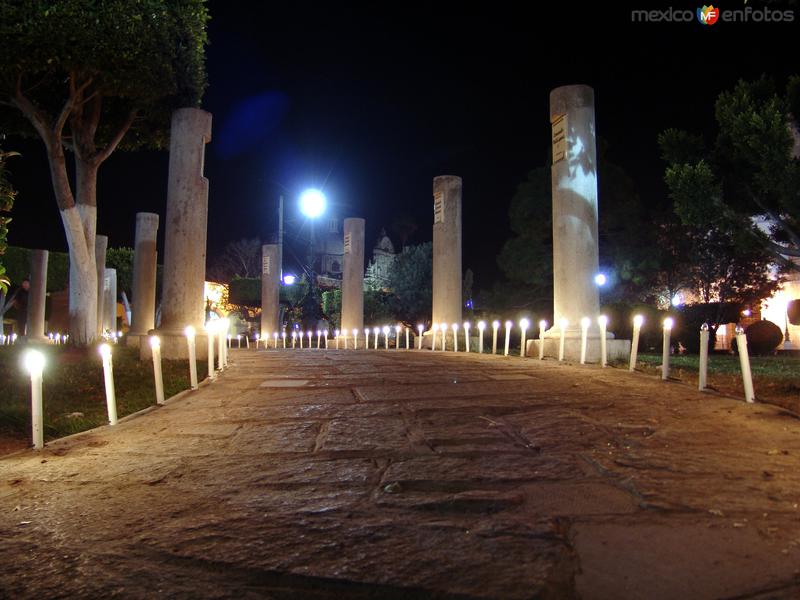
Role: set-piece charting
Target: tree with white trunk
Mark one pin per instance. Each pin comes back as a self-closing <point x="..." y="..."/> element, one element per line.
<point x="88" y="78"/>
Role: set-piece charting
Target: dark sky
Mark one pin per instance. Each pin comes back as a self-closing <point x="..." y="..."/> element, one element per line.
<point x="374" y="104"/>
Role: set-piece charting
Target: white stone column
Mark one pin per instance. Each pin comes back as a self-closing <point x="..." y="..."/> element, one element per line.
<point x="100" y="247"/>
<point x="110" y="301"/>
<point x="37" y="296"/>
<point x="575" y="215"/>
<point x="447" y="291"/>
<point x="144" y="274"/>
<point x="353" y="276"/>
<point x="183" y="301"/>
<point x="270" y="289"/>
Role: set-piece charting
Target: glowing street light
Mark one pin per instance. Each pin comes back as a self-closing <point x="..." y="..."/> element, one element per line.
<point x="600" y="279"/>
<point x="289" y="279"/>
<point x="312" y="203"/>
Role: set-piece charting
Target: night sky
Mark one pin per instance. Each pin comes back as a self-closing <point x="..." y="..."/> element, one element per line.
<point x="371" y="106"/>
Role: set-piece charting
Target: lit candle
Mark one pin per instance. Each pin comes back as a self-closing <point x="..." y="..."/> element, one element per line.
<point x="466" y="334"/>
<point x="637" y="327"/>
<point x="744" y="363"/>
<point x="375" y="332"/>
<point x="386" y="336"/>
<point x="246" y="341"/>
<point x="668" y="323"/>
<point x="355" y="339"/>
<point x="397" y="337"/>
<point x="294" y="338"/>
<point x="443" y="327"/>
<point x="258" y="338"/>
<point x="523" y="325"/>
<point x="495" y="327"/>
<point x="435" y="330"/>
<point x="275" y="340"/>
<point x="336" y="334"/>
<point x="542" y="327"/>
<point x="325" y="333"/>
<point x="108" y="375"/>
<point x="585" y="322"/>
<point x="455" y="337"/>
<point x="319" y="338"/>
<point x="155" y="344"/>
<point x="210" y="349"/>
<point x="509" y="324"/>
<point x="562" y="326"/>
<point x="704" y="335"/>
<point x="481" y="328"/>
<point x="310" y="334"/>
<point x="190" y="342"/>
<point x="420" y="328"/>
<point x="283" y="336"/>
<point x="602" y="321"/>
<point x="220" y="326"/>
<point x="34" y="363"/>
<point x="406" y="338"/>
<point x="366" y="338"/>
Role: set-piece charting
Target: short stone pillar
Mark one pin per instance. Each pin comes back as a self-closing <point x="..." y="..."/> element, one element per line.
<point x="144" y="274"/>
<point x="183" y="301"/>
<point x="110" y="301"/>
<point x="270" y="289"/>
<point x="100" y="247"/>
<point x="447" y="290"/>
<point x="353" y="276"/>
<point x="575" y="214"/>
<point x="37" y="296"/>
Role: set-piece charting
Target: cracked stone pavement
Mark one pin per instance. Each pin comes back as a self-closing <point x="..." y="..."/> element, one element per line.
<point x="395" y="474"/>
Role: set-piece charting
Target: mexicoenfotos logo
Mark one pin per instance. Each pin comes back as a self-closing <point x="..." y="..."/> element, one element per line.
<point x="707" y="15"/>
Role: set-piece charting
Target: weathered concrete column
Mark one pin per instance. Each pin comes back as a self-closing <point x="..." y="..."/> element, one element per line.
<point x="144" y="274"/>
<point x="100" y="247"/>
<point x="110" y="301"/>
<point x="353" y="276"/>
<point x="574" y="184"/>
<point x="37" y="296"/>
<point x="183" y="301"/>
<point x="575" y="213"/>
<point x="270" y="289"/>
<point x="447" y="292"/>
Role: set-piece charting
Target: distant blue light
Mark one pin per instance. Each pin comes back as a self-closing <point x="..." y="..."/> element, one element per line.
<point x="289" y="279"/>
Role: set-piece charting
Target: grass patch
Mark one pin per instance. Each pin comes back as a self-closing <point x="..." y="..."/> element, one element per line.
<point x="74" y="391"/>
<point x="776" y="379"/>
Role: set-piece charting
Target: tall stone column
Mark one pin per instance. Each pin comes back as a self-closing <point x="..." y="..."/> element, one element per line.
<point x="100" y="247"/>
<point x="183" y="301"/>
<point x="37" y="296"/>
<point x="574" y="184"/>
<point x="575" y="238"/>
<point x="353" y="276"/>
<point x="144" y="274"/>
<point x="110" y="301"/>
<point x="447" y="291"/>
<point x="270" y="289"/>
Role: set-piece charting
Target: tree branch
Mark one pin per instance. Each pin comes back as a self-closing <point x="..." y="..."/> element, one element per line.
<point x="112" y="145"/>
<point x="75" y="95"/>
<point x="778" y="220"/>
<point x="37" y="118"/>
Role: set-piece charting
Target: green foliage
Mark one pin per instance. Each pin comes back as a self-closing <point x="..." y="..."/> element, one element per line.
<point x="18" y="262"/>
<point x="377" y="308"/>
<point x="7" y="195"/>
<point x="245" y="291"/>
<point x="121" y="259"/>
<point x="146" y="55"/>
<point x="748" y="172"/>
<point x="410" y="279"/>
<point x="332" y="307"/>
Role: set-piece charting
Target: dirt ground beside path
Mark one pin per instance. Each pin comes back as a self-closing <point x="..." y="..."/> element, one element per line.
<point x="394" y="474"/>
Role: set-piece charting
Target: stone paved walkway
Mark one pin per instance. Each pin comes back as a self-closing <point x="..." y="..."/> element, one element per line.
<point x="399" y="474"/>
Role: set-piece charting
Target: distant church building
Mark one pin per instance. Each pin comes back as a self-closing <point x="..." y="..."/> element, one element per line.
<point x="383" y="256"/>
<point x="329" y="252"/>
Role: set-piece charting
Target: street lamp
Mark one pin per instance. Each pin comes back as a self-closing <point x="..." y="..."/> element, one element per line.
<point x="312" y="205"/>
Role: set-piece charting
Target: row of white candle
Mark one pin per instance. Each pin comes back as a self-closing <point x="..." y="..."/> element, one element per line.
<point x="34" y="362"/>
